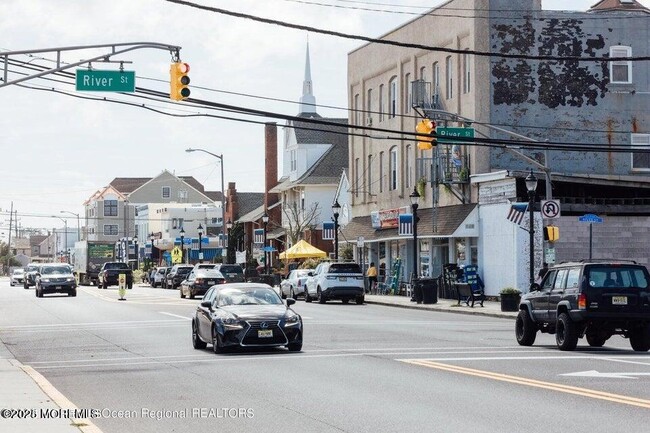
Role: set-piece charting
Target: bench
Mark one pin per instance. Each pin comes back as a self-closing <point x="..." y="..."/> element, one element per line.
<point x="469" y="295"/>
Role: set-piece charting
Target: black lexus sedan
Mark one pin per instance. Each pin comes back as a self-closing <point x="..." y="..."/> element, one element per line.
<point x="245" y="315"/>
<point x="199" y="281"/>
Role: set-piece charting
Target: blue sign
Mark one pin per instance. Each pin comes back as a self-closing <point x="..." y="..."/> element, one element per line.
<point x="186" y="241"/>
<point x="590" y="218"/>
<point x="269" y="249"/>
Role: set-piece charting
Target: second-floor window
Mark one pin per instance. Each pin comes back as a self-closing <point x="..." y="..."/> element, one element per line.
<point x="392" y="170"/>
<point x="392" y="98"/>
<point x="357" y="176"/>
<point x="110" y="230"/>
<point x="436" y="78"/>
<point x="356" y="114"/>
<point x="294" y="163"/>
<point x="166" y="192"/>
<point x="182" y="195"/>
<point x="466" y="73"/>
<point x="409" y="169"/>
<point x="381" y="171"/>
<point x="449" y="70"/>
<point x="369" y="171"/>
<point x="369" y="108"/>
<point x="640" y="161"/>
<point x="620" y="71"/>
<point x="381" y="102"/>
<point x="408" y="97"/>
<point x="110" y="207"/>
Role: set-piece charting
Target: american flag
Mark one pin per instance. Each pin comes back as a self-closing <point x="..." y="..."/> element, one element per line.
<point x="328" y="231"/>
<point x="258" y="236"/>
<point x="405" y="224"/>
<point x="517" y="212"/>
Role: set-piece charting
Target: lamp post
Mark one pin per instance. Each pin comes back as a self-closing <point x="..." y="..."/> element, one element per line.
<point x="228" y="227"/>
<point x="265" y="220"/>
<point x="200" y="228"/>
<point x="78" y="223"/>
<point x="65" y="234"/>
<point x="223" y="203"/>
<point x="415" y="203"/>
<point x="336" y="208"/>
<point x="531" y="186"/>
<point x="153" y="237"/>
<point x="182" y="233"/>
<point x="137" y="253"/>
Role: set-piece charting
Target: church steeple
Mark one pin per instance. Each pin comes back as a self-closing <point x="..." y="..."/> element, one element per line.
<point x="307" y="100"/>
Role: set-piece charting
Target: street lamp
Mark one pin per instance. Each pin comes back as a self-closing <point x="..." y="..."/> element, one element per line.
<point x="415" y="203"/>
<point x="228" y="227"/>
<point x="223" y="202"/>
<point x="200" y="229"/>
<point x="78" y="223"/>
<point x="182" y="233"/>
<point x="65" y="232"/>
<point x="137" y="253"/>
<point x="336" y="208"/>
<point x="531" y="186"/>
<point x="265" y="220"/>
<point x="152" y="237"/>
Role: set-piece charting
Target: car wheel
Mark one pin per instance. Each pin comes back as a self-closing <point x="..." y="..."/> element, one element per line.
<point x="72" y="292"/>
<point x="25" y="286"/>
<point x="321" y="298"/>
<point x="182" y="293"/>
<point x="307" y="297"/>
<point x="292" y="294"/>
<point x="360" y="300"/>
<point x="566" y="333"/>
<point x="130" y="285"/>
<point x="191" y="294"/>
<point x="197" y="343"/>
<point x="640" y="339"/>
<point x="596" y="339"/>
<point x="525" y="329"/>
<point x="216" y="342"/>
<point x="12" y="284"/>
<point x="345" y="301"/>
<point x="294" y="347"/>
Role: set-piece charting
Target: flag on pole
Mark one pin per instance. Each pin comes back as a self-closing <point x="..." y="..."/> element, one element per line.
<point x="258" y="236"/>
<point x="517" y="212"/>
<point x="328" y="231"/>
<point x="405" y="224"/>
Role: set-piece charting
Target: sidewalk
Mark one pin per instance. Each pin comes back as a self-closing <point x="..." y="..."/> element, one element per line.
<point x="490" y="308"/>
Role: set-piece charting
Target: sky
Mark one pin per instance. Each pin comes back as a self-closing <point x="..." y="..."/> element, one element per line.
<point x="58" y="150"/>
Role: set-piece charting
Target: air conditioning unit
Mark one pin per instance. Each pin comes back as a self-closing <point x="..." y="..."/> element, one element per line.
<point x="369" y="121"/>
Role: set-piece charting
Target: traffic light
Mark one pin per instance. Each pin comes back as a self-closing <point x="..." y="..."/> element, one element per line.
<point x="551" y="233"/>
<point x="428" y="129"/>
<point x="178" y="81"/>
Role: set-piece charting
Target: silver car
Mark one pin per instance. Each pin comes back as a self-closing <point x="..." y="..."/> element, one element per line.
<point x="294" y="284"/>
<point x="17" y="277"/>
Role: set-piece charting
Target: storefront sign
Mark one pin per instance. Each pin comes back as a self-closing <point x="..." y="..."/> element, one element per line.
<point x="386" y="219"/>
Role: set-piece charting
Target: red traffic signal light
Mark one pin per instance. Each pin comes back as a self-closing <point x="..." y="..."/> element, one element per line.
<point x="427" y="128"/>
<point x="179" y="81"/>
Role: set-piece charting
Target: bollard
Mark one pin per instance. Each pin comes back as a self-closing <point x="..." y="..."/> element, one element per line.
<point x="122" y="287"/>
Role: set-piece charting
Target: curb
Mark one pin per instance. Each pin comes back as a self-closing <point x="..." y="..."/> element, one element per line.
<point x="476" y="311"/>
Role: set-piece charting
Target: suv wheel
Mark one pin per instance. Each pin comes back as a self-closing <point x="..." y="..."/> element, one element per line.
<point x="182" y="293"/>
<point x="566" y="333"/>
<point x="321" y="298"/>
<point x="307" y="297"/>
<point x="640" y="339"/>
<point x="525" y="329"/>
<point x="596" y="338"/>
<point x="360" y="300"/>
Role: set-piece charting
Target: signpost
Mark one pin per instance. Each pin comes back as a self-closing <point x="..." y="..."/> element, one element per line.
<point x="591" y="219"/>
<point x="105" y="81"/>
<point x="445" y="135"/>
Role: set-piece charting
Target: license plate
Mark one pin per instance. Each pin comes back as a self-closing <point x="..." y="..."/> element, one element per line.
<point x="265" y="333"/>
<point x="211" y="282"/>
<point x="57" y="288"/>
<point x="619" y="300"/>
<point x="232" y="275"/>
<point x="343" y="278"/>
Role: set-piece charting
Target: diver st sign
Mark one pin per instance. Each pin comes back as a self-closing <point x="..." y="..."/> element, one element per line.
<point x="105" y="81"/>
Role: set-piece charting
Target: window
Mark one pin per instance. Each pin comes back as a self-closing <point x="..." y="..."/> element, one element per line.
<point x="110" y="207"/>
<point x="423" y="75"/>
<point x="110" y="230"/>
<point x="466" y="73"/>
<point x="450" y="78"/>
<point x="356" y="109"/>
<point x="369" y="171"/>
<point x="408" y="93"/>
<point x="166" y="192"/>
<point x="392" y="182"/>
<point x="369" y="107"/>
<point x="620" y="71"/>
<point x="392" y="98"/>
<point x="409" y="169"/>
<point x="381" y="171"/>
<point x="294" y="163"/>
<point x="357" y="176"/>
<point x="182" y="195"/>
<point x="381" y="102"/>
<point x="436" y="78"/>
<point x="640" y="161"/>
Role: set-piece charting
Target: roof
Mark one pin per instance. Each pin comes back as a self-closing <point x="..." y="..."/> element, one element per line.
<point x="214" y="195"/>
<point x="249" y="201"/>
<point x="126" y="185"/>
<point x="448" y="219"/>
<point x="618" y="5"/>
<point x="36" y="239"/>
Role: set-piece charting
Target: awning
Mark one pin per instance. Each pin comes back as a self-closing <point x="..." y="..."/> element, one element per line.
<point x="302" y="250"/>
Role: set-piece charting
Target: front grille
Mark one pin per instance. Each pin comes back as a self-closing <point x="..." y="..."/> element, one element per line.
<point x="251" y="338"/>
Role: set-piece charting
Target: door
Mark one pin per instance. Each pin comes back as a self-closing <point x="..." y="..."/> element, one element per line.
<point x="558" y="290"/>
<point x="205" y="316"/>
<point x="539" y="299"/>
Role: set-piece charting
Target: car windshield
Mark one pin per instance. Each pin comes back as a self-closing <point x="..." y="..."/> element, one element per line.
<point x="248" y="296"/>
<point x="183" y="271"/>
<point x="344" y="268"/>
<point x="31" y="268"/>
<point x="208" y="273"/>
<point x="229" y="269"/>
<point x="50" y="270"/>
<point x="617" y="276"/>
<point x="18" y="271"/>
<point x="302" y="273"/>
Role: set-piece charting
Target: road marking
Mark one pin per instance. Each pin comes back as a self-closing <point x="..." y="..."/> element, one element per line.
<point x="175" y="315"/>
<point x="518" y="380"/>
<point x="595" y="373"/>
<point x="124" y="322"/>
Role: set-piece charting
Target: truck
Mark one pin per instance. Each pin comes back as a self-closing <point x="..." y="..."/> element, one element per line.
<point x="89" y="256"/>
<point x="109" y="275"/>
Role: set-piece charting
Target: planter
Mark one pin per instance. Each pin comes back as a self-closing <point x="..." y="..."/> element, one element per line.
<point x="510" y="301"/>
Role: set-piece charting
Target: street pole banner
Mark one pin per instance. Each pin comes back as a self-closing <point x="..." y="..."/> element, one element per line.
<point x="328" y="231"/>
<point x="258" y="236"/>
<point x="517" y="212"/>
<point x="405" y="225"/>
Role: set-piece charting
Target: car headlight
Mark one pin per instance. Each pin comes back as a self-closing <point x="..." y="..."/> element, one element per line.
<point x="70" y="279"/>
<point x="45" y="280"/>
<point x="291" y="319"/>
<point x="232" y="323"/>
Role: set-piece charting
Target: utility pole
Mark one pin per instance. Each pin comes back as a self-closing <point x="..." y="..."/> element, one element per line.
<point x="11" y="213"/>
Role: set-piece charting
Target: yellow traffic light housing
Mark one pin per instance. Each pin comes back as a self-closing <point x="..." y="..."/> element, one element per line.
<point x="551" y="233"/>
<point x="179" y="81"/>
<point x="427" y="128"/>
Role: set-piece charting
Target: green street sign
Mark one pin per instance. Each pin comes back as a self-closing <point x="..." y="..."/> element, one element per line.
<point x="445" y="135"/>
<point x="105" y="81"/>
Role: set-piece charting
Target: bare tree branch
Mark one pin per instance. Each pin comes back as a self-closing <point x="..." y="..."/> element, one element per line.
<point x="297" y="221"/>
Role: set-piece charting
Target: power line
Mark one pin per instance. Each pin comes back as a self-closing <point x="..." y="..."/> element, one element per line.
<point x="402" y="44"/>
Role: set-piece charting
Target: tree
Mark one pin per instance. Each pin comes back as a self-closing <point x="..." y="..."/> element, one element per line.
<point x="297" y="220"/>
<point x="235" y="241"/>
<point x="7" y="257"/>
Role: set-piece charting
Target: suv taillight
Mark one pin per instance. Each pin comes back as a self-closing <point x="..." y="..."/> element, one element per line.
<point x="582" y="301"/>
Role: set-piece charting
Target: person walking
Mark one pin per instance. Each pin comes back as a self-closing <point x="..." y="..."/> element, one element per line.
<point x="372" y="277"/>
<point x="542" y="272"/>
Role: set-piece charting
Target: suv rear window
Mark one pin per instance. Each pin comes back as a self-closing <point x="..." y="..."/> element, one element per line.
<point x="344" y="268"/>
<point x="116" y="266"/>
<point x="617" y="276"/>
<point x="230" y="269"/>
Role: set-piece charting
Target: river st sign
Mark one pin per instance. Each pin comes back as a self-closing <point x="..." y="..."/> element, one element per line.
<point x="105" y="81"/>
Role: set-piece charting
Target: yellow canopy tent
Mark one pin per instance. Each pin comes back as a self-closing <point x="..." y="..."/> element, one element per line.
<point x="302" y="250"/>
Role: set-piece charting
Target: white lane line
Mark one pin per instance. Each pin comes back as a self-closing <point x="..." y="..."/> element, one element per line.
<point x="88" y="323"/>
<point x="125" y="358"/>
<point x="128" y="328"/>
<point x="626" y="361"/>
<point x="175" y="315"/>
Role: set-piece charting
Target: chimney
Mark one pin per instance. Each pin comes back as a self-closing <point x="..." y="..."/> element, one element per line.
<point x="270" y="162"/>
<point x="232" y="206"/>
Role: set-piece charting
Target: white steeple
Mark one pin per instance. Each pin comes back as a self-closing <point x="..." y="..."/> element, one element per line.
<point x="307" y="100"/>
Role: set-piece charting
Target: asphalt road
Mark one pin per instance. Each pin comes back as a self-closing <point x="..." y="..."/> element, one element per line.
<point x="362" y="369"/>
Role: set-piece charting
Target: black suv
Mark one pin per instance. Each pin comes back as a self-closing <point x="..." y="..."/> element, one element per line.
<point x="596" y="299"/>
<point x="176" y="275"/>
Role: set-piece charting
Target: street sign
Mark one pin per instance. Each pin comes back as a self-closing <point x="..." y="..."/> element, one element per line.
<point x="177" y="255"/>
<point x="590" y="218"/>
<point x="549" y="255"/>
<point x="105" y="81"/>
<point x="360" y="241"/>
<point x="446" y="134"/>
<point x="550" y="209"/>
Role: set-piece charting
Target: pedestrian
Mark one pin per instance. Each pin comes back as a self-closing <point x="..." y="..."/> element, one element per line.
<point x="372" y="277"/>
<point x="542" y="272"/>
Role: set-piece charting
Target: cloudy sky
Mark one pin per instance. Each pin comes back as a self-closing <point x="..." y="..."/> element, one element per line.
<point x="57" y="150"/>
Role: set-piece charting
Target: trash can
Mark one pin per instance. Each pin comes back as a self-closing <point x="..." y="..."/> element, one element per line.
<point x="417" y="291"/>
<point x="429" y="290"/>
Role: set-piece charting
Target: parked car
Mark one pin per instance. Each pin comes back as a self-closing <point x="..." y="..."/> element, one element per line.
<point x="176" y="275"/>
<point x="17" y="277"/>
<point x="294" y="284"/>
<point x="159" y="276"/>
<point x="199" y="281"/>
<point x="232" y="273"/>
<point x="204" y="266"/>
<point x="591" y="298"/>
<point x="335" y="280"/>
<point x="109" y="275"/>
<point x="244" y="315"/>
<point x="55" y="278"/>
<point x="30" y="275"/>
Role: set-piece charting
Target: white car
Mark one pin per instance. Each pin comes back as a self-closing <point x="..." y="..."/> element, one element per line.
<point x="159" y="276"/>
<point x="17" y="277"/>
<point x="335" y="280"/>
<point x="294" y="284"/>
